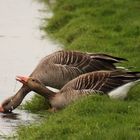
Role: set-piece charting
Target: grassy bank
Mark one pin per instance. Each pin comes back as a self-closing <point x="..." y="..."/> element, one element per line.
<point x="110" y="26"/>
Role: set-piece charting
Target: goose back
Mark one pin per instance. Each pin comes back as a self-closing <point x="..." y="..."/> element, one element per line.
<point x="102" y="81"/>
<point x="66" y="65"/>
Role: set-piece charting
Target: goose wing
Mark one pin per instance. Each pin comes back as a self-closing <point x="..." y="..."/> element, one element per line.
<point x="60" y="67"/>
<point x="102" y="81"/>
<point x="86" y="62"/>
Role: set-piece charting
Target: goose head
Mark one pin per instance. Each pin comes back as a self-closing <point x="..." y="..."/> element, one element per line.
<point x="32" y="83"/>
<point x="12" y="102"/>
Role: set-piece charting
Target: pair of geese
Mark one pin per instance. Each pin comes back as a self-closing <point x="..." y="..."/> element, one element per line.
<point x="76" y="74"/>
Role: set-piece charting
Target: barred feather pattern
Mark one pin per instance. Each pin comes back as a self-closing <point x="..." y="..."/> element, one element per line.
<point x="57" y="69"/>
<point x="101" y="81"/>
<point x="66" y="65"/>
<point x="82" y="60"/>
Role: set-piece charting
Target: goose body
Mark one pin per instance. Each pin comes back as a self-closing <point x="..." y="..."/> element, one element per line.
<point x="58" y="68"/>
<point x="115" y="84"/>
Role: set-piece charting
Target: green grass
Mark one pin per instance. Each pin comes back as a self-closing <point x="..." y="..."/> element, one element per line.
<point x="95" y="117"/>
<point x="109" y="26"/>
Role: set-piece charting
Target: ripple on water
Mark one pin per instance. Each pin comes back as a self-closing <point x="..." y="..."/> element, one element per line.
<point x="10" y="121"/>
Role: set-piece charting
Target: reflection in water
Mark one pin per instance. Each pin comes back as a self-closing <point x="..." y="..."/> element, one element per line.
<point x="8" y="122"/>
<point x="12" y="116"/>
<point x="20" y="50"/>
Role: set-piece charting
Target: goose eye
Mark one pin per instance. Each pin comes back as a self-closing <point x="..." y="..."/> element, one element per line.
<point x="33" y="80"/>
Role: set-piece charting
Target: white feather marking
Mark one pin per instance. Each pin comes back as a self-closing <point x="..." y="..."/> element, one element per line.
<point x="121" y="92"/>
<point x="122" y="68"/>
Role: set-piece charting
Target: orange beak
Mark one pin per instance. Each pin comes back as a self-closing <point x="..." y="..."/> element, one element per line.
<point x="1" y="108"/>
<point x="22" y="79"/>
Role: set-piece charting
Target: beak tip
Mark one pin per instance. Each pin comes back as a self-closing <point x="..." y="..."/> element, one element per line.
<point x="21" y="78"/>
<point x="18" y="78"/>
<point x="1" y="108"/>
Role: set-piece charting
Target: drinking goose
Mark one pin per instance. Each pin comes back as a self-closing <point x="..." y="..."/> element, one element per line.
<point x="58" y="68"/>
<point x="115" y="84"/>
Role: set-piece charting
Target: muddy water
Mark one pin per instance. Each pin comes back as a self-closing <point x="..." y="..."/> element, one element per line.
<point x="21" y="47"/>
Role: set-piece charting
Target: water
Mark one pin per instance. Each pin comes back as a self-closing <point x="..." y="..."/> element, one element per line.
<point x="9" y="122"/>
<point x="21" y="47"/>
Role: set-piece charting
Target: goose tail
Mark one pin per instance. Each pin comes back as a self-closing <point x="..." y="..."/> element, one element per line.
<point x="135" y="74"/>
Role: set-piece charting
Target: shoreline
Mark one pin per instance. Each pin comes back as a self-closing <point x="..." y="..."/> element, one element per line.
<point x="97" y="26"/>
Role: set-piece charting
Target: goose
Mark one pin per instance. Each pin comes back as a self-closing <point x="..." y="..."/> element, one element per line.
<point x="58" y="68"/>
<point x="115" y="84"/>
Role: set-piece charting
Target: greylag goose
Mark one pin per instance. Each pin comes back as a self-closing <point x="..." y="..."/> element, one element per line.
<point x="115" y="84"/>
<point x="58" y="68"/>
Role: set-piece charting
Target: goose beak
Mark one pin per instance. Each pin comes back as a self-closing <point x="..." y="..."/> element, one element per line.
<point x="22" y="79"/>
<point x="1" y="108"/>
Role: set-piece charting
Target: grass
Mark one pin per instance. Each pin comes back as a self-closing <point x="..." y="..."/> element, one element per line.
<point x="95" y="117"/>
<point x="110" y="26"/>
